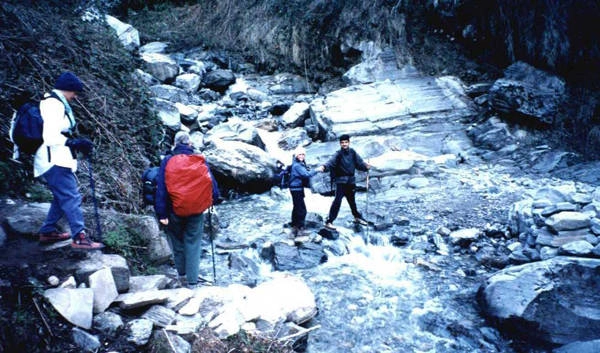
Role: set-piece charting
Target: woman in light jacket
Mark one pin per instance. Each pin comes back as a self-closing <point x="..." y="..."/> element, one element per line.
<point x="299" y="178"/>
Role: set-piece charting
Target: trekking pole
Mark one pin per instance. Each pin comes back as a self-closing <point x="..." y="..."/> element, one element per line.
<point x="95" y="201"/>
<point x="212" y="244"/>
<point x="367" y="208"/>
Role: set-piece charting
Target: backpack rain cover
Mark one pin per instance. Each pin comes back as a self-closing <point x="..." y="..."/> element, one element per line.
<point x="189" y="184"/>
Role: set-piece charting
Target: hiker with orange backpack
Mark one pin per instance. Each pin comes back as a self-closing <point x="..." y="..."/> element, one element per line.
<point x="185" y="189"/>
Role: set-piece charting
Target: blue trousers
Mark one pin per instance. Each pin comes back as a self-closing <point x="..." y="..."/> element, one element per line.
<point x="299" y="208"/>
<point x="66" y="200"/>
<point x="185" y="236"/>
<point x="341" y="191"/>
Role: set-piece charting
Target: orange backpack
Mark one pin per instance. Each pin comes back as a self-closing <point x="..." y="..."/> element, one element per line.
<point x="189" y="184"/>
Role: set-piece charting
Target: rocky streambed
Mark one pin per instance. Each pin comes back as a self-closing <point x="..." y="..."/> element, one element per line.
<point x="484" y="238"/>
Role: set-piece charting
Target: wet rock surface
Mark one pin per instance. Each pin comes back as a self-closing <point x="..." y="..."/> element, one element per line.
<point x="453" y="196"/>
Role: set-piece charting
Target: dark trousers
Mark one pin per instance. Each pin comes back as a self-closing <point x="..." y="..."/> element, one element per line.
<point x="341" y="191"/>
<point x="185" y="236"/>
<point x="299" y="209"/>
<point x="66" y="200"/>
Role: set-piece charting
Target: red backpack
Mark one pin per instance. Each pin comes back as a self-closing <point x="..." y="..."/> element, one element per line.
<point x="189" y="184"/>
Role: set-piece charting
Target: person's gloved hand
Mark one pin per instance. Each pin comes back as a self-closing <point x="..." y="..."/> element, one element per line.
<point x="82" y="145"/>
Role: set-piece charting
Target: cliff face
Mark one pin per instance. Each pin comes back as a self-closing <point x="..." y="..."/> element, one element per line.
<point x="559" y="36"/>
<point x="312" y="35"/>
<point x="471" y="39"/>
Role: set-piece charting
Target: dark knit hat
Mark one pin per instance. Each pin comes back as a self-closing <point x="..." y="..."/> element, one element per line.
<point x="345" y="137"/>
<point x="67" y="81"/>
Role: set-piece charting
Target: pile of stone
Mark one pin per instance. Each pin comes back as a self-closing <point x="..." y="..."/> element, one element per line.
<point x="552" y="297"/>
<point x="563" y="220"/>
<point x="104" y="302"/>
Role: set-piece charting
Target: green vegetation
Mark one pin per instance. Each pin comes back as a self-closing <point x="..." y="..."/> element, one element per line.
<point x="207" y="342"/>
<point x="38" y="193"/>
<point x="22" y="327"/>
<point x="128" y="243"/>
<point x="23" y="320"/>
<point x="9" y="180"/>
<point x="578" y="123"/>
<point x="38" y="44"/>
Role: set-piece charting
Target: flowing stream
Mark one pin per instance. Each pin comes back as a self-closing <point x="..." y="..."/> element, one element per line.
<point x="373" y="296"/>
<point x="383" y="299"/>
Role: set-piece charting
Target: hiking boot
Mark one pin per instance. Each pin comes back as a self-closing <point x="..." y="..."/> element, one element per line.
<point x="83" y="242"/>
<point x="330" y="225"/>
<point x="53" y="237"/>
<point x="359" y="220"/>
<point x="302" y="233"/>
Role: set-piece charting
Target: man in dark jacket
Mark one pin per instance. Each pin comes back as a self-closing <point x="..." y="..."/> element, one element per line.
<point x="343" y="165"/>
<point x="184" y="233"/>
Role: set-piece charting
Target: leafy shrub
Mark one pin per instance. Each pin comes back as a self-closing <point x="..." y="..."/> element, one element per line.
<point x="38" y="193"/>
<point x="127" y="243"/>
<point x="9" y="180"/>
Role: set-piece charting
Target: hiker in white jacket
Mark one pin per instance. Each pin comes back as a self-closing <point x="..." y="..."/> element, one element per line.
<point x="55" y="161"/>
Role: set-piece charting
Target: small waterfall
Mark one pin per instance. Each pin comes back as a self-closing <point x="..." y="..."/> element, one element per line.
<point x="377" y="298"/>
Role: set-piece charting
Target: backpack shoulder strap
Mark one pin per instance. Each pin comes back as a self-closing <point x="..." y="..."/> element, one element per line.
<point x="52" y="94"/>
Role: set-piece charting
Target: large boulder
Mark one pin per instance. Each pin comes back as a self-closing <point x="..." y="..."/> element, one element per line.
<point x="161" y="66"/>
<point x="154" y="47"/>
<point x="377" y="65"/>
<point x="74" y="304"/>
<point x="157" y="247"/>
<point x="552" y="302"/>
<point x="189" y="82"/>
<point x="97" y="261"/>
<point x="580" y="347"/>
<point x="168" y="113"/>
<point x="287" y="257"/>
<point x="169" y="93"/>
<point x="241" y="166"/>
<point x="236" y="130"/>
<point x="528" y="91"/>
<point x="286" y="83"/>
<point x="219" y="80"/>
<point x="26" y="220"/>
<point x="295" y="116"/>
<point x="292" y="138"/>
<point x="127" y="34"/>
<point x="389" y="107"/>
